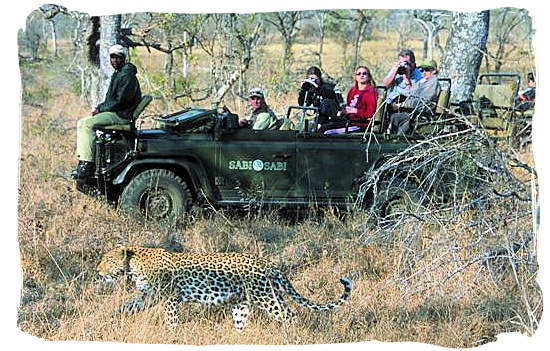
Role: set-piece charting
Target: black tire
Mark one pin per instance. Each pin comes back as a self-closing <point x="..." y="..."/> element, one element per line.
<point x="395" y="199"/>
<point x="156" y="194"/>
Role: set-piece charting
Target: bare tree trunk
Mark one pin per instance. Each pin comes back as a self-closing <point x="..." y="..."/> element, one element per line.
<point x="321" y="19"/>
<point x="169" y="68"/>
<point x="321" y="45"/>
<point x="34" y="44"/>
<point x="45" y="34"/>
<point x="54" y="38"/>
<point x="220" y="94"/>
<point x="437" y="45"/>
<point x="109" y="35"/>
<point x="49" y="12"/>
<point x="357" y="41"/>
<point x="186" y="57"/>
<point x="90" y="63"/>
<point x="287" y="25"/>
<point x="464" y="51"/>
<point x="425" y="46"/>
<point x="286" y="52"/>
<point x="364" y="20"/>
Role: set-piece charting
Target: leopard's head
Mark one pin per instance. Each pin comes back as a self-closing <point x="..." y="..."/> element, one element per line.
<point x="114" y="262"/>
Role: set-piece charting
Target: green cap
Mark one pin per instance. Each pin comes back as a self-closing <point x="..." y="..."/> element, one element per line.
<point x="426" y="64"/>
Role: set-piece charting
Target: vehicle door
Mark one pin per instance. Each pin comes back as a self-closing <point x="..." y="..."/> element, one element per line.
<point x="256" y="165"/>
<point x="330" y="167"/>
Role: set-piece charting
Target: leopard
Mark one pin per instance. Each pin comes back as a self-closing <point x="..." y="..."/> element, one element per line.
<point x="244" y="281"/>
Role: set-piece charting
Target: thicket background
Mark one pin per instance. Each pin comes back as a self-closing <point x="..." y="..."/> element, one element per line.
<point x="61" y="239"/>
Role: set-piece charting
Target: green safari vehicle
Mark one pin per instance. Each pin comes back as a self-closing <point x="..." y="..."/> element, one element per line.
<point x="201" y="155"/>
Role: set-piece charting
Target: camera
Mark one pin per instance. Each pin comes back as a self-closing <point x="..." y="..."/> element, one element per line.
<point x="309" y="84"/>
<point x="403" y="66"/>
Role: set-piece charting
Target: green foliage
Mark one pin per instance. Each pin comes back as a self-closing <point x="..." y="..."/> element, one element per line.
<point x="76" y="86"/>
<point x="36" y="95"/>
<point x="282" y="81"/>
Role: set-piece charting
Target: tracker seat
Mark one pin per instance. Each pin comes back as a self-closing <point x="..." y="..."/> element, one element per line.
<point x="130" y="127"/>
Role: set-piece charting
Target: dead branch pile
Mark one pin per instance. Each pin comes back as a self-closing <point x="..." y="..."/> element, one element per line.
<point x="448" y="174"/>
<point x="454" y="205"/>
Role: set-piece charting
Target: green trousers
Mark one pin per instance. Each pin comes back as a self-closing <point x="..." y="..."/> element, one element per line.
<point x="85" y="132"/>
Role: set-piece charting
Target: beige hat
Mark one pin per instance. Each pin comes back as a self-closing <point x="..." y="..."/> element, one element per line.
<point x="118" y="50"/>
<point x="256" y="92"/>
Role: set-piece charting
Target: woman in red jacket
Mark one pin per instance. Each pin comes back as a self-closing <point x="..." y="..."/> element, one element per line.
<point x="361" y="99"/>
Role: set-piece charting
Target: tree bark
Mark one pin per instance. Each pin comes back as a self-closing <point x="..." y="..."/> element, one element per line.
<point x="109" y="35"/>
<point x="54" y="38"/>
<point x="464" y="52"/>
<point x="321" y="19"/>
<point x="287" y="25"/>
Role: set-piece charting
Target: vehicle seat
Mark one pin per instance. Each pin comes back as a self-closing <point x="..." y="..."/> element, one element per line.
<point x="381" y="115"/>
<point x="444" y="98"/>
<point x="501" y="98"/>
<point x="131" y="126"/>
<point x="431" y="122"/>
<point x="493" y="103"/>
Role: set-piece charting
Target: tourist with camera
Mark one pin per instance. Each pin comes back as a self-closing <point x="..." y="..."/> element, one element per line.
<point x="402" y="76"/>
<point x="314" y="91"/>
<point x="422" y="99"/>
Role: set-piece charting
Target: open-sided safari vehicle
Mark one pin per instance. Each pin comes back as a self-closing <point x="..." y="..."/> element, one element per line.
<point x="201" y="154"/>
<point x="494" y="107"/>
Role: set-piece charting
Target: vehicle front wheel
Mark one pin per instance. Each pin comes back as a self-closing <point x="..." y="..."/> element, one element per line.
<point x="157" y="194"/>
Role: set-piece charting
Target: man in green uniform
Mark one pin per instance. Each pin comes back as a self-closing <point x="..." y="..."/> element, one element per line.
<point x="123" y="96"/>
<point x="261" y="117"/>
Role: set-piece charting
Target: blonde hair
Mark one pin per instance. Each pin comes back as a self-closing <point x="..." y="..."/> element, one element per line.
<point x="370" y="80"/>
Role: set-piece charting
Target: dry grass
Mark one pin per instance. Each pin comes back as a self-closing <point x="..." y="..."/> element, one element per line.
<point x="401" y="291"/>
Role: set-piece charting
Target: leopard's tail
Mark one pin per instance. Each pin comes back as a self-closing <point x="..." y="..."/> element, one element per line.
<point x="281" y="281"/>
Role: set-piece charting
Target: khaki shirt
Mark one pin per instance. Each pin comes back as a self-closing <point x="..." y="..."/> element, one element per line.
<point x="264" y="120"/>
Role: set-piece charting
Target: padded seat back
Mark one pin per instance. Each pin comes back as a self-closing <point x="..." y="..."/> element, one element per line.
<point x="145" y="100"/>
<point x="443" y="101"/>
<point x="501" y="104"/>
<point x="502" y="95"/>
<point x="130" y="126"/>
<point x="380" y="116"/>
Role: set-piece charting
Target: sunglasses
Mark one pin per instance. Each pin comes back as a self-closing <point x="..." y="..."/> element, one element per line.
<point x="361" y="74"/>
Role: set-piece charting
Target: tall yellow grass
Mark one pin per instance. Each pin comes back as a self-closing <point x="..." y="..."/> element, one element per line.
<point x="63" y="233"/>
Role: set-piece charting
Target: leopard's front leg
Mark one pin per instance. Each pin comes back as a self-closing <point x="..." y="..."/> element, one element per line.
<point x="142" y="300"/>
<point x="171" y="310"/>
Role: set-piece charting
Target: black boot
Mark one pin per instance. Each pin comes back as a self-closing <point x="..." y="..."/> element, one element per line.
<point x="84" y="170"/>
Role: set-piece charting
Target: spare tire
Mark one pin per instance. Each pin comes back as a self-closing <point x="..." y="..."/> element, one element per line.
<point x="157" y="194"/>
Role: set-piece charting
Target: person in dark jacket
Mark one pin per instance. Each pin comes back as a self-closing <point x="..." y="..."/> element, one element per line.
<point x="123" y="96"/>
<point x="314" y="91"/>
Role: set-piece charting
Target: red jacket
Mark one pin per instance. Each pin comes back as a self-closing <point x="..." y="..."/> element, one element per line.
<point x="365" y="102"/>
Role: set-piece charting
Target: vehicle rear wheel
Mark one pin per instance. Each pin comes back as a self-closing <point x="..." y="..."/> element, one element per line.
<point x="395" y="199"/>
<point x="157" y="194"/>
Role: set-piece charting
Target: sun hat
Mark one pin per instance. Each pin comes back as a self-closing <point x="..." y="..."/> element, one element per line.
<point x="118" y="50"/>
<point x="256" y="92"/>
